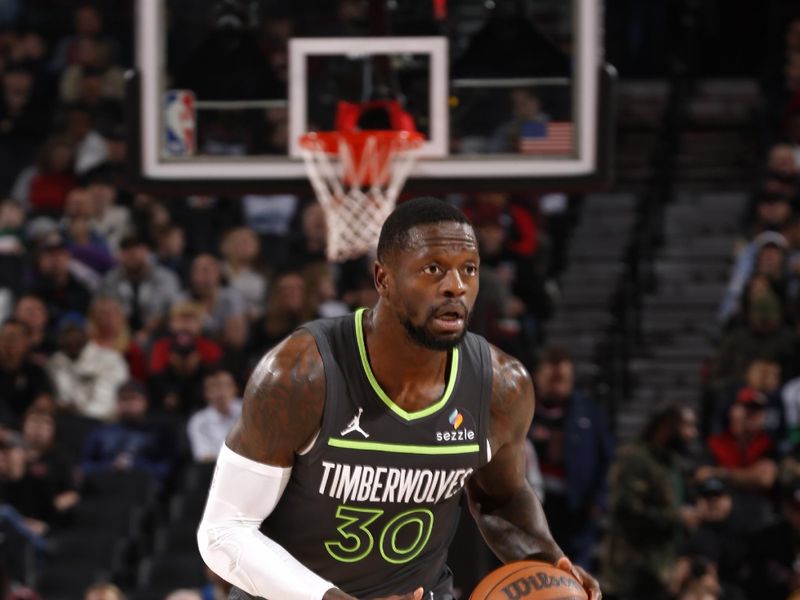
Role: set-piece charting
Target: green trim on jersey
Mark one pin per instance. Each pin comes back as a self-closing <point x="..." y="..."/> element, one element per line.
<point x="403" y="448"/>
<point x="451" y="382"/>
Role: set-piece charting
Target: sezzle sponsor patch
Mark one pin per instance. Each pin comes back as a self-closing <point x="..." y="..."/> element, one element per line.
<point x="456" y="425"/>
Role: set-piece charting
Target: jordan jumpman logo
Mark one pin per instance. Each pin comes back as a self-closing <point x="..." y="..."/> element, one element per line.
<point x="354" y="425"/>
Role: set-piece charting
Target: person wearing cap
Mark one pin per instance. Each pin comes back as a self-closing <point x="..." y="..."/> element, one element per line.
<point x="145" y="290"/>
<point x="85" y="375"/>
<point x="132" y="441"/>
<point x="744" y="455"/>
<point x="722" y="532"/>
<point x="55" y="280"/>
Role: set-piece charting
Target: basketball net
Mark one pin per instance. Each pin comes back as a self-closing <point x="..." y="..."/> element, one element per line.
<point x="357" y="176"/>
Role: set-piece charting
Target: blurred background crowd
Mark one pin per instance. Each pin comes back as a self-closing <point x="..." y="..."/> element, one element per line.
<point x="129" y="324"/>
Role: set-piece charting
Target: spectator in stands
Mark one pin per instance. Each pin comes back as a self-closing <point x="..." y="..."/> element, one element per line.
<point x="87" y="22"/>
<point x="772" y="562"/>
<point x="55" y="280"/>
<point x="103" y="591"/>
<point x="20" y="120"/>
<point x="286" y="310"/>
<point x="86" y="376"/>
<point x="44" y="186"/>
<point x="321" y="298"/>
<point x="240" y="251"/>
<point x="208" y="428"/>
<point x="218" y="301"/>
<point x="12" y="232"/>
<point x="236" y="358"/>
<point x="309" y="245"/>
<point x="84" y="243"/>
<point x="92" y="56"/>
<point x="783" y="175"/>
<point x="722" y="533"/>
<point x="132" y="441"/>
<point x="91" y="149"/>
<point x="22" y="381"/>
<point x="511" y="238"/>
<point x="177" y="361"/>
<point x="574" y="448"/>
<point x="766" y="255"/>
<point x="744" y="455"/>
<point x="33" y="312"/>
<point x="646" y="504"/>
<point x="171" y="249"/>
<point x="47" y="461"/>
<point x="110" y="220"/>
<point x="526" y="111"/>
<point x="20" y="505"/>
<point x="109" y="329"/>
<point x="34" y="497"/>
<point x="145" y="290"/>
<point x="761" y="334"/>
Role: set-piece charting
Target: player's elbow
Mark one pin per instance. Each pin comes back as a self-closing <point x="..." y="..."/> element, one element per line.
<point x="212" y="551"/>
<point x="204" y="546"/>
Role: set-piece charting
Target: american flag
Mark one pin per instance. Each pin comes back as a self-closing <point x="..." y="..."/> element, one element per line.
<point x="541" y="137"/>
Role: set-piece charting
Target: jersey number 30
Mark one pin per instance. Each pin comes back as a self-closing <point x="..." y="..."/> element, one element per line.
<point x="357" y="527"/>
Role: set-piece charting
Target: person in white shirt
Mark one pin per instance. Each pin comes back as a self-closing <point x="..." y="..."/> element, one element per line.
<point x="208" y="428"/>
<point x="86" y="376"/>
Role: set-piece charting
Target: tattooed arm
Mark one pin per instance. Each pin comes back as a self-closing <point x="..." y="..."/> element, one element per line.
<point x="281" y="414"/>
<point x="508" y="513"/>
<point x="283" y="403"/>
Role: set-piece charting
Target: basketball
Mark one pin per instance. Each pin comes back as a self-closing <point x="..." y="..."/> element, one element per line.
<point x="529" y="580"/>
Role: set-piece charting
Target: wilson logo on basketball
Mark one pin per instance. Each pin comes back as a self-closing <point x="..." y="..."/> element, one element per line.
<point x="520" y="588"/>
<point x="459" y="427"/>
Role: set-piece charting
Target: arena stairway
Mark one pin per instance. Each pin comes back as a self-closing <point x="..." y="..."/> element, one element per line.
<point x="711" y="175"/>
<point x="679" y="325"/>
<point x="588" y="287"/>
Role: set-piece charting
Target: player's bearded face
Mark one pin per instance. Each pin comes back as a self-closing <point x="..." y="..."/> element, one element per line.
<point x="423" y="330"/>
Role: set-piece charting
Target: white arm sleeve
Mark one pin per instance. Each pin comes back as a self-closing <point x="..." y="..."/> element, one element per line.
<point x="243" y="493"/>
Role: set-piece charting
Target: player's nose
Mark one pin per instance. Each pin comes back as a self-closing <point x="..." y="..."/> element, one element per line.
<point x="453" y="284"/>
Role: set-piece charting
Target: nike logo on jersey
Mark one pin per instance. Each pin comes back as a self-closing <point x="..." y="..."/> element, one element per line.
<point x="355" y="425"/>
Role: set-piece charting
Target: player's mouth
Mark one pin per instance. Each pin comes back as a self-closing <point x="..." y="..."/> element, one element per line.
<point x="450" y="320"/>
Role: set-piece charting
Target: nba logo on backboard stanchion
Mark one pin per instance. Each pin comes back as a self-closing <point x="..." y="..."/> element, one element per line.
<point x="179" y="123"/>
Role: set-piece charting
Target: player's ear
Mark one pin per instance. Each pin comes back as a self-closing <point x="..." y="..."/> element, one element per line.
<point x="381" y="275"/>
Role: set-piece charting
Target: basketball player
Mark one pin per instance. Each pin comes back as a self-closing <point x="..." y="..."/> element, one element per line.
<point x="359" y="433"/>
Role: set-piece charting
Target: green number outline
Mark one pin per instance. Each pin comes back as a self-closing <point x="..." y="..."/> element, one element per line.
<point x="350" y="515"/>
<point x="396" y="524"/>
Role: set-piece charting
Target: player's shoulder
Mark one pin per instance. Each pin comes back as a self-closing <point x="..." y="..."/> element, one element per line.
<point x="296" y="360"/>
<point x="510" y="378"/>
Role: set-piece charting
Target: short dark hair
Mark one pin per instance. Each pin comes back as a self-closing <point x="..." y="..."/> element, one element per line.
<point x="419" y="211"/>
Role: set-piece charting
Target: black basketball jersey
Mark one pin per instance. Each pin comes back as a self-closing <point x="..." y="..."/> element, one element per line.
<point x="374" y="504"/>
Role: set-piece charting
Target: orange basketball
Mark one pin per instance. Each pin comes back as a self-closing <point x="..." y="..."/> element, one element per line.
<point x="529" y="580"/>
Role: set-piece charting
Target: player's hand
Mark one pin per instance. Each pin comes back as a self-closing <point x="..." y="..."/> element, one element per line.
<point x="588" y="582"/>
<point x="415" y="595"/>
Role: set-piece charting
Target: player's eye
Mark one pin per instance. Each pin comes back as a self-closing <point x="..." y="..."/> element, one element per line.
<point x="432" y="269"/>
<point x="471" y="269"/>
